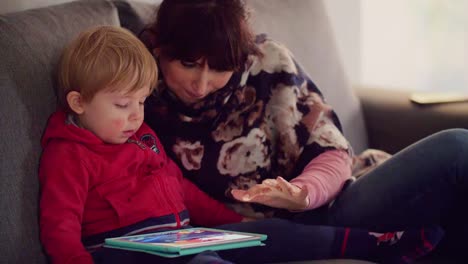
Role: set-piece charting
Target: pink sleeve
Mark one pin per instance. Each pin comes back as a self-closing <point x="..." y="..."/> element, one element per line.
<point x="324" y="177"/>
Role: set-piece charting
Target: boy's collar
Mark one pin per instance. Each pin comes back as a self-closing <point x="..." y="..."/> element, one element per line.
<point x="72" y="120"/>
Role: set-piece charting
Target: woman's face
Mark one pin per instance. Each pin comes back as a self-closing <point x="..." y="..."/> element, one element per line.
<point x="192" y="81"/>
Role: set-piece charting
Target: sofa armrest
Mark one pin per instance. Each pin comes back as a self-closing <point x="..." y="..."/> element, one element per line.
<point x="393" y="122"/>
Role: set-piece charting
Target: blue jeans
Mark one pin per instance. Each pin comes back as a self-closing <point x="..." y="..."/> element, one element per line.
<point x="424" y="184"/>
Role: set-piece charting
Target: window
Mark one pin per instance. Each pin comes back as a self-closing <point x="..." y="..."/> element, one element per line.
<point x="420" y="45"/>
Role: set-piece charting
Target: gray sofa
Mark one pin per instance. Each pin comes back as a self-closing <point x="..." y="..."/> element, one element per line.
<point x="30" y="43"/>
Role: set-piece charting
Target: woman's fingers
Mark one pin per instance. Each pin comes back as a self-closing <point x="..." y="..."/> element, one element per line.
<point x="285" y="185"/>
<point x="277" y="193"/>
<point x="250" y="194"/>
<point x="270" y="182"/>
<point x="239" y="195"/>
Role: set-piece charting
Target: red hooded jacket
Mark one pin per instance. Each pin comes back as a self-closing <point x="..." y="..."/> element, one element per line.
<point x="90" y="187"/>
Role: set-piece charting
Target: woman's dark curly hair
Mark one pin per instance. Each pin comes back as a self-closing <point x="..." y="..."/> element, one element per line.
<point x="216" y="30"/>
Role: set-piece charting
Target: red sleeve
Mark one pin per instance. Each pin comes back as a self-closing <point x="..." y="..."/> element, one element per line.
<point x="205" y="210"/>
<point x="64" y="184"/>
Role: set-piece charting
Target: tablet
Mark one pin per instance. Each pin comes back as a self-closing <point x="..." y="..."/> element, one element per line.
<point x="188" y="241"/>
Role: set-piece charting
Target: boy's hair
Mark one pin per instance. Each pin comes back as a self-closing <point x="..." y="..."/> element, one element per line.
<point x="104" y="58"/>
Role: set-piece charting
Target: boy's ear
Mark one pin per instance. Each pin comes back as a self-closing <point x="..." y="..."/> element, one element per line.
<point x="75" y="102"/>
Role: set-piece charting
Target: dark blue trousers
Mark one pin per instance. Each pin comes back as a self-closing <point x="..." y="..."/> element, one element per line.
<point x="287" y="241"/>
<point x="424" y="184"/>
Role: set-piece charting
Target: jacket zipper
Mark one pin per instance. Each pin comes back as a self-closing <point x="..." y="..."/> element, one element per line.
<point x="174" y="212"/>
<point x="162" y="187"/>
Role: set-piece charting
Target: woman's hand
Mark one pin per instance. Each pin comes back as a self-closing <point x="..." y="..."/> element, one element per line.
<point x="277" y="193"/>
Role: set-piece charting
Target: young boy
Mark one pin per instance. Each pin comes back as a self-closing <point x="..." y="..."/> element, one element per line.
<point x="104" y="173"/>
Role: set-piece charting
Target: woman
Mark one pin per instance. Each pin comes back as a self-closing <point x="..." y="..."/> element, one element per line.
<point x="236" y="109"/>
<point x="246" y="124"/>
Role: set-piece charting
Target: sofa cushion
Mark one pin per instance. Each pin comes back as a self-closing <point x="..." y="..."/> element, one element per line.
<point x="303" y="26"/>
<point x="135" y="15"/>
<point x="30" y="44"/>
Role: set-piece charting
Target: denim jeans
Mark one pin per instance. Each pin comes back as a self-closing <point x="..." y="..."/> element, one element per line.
<point x="424" y="184"/>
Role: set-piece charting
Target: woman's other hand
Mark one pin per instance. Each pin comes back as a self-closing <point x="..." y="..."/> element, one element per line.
<point x="277" y="193"/>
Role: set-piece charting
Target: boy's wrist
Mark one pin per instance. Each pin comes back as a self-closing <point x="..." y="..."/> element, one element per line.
<point x="248" y="219"/>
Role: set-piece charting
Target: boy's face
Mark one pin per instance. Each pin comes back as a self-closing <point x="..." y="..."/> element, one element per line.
<point x="114" y="116"/>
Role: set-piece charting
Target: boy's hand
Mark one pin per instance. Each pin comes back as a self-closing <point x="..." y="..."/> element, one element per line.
<point x="277" y="193"/>
<point x="248" y="219"/>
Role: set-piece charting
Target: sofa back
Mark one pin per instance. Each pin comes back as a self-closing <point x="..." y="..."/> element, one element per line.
<point x="30" y="44"/>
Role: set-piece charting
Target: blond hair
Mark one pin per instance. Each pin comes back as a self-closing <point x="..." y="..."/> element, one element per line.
<point x="104" y="58"/>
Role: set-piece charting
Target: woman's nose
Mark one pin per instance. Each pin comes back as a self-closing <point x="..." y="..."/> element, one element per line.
<point x="201" y="84"/>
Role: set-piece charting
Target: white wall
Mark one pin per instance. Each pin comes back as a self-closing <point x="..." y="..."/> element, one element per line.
<point x="419" y="45"/>
<point x="345" y="16"/>
<point x="415" y="45"/>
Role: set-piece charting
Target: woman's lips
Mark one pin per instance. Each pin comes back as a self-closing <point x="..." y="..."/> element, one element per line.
<point x="194" y="95"/>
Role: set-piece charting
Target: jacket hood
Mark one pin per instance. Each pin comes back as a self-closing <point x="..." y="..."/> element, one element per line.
<point x="60" y="126"/>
